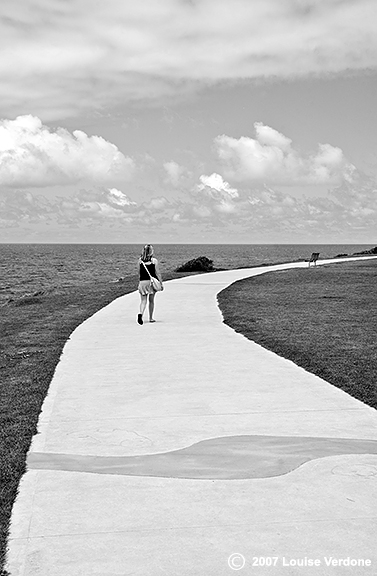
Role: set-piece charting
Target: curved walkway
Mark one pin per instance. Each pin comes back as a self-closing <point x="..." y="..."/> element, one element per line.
<point x="163" y="449"/>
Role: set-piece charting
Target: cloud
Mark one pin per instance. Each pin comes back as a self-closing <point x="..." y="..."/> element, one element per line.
<point x="84" y="55"/>
<point x="33" y="155"/>
<point x="98" y="204"/>
<point x="119" y="198"/>
<point x="174" y="172"/>
<point x="101" y="205"/>
<point x="357" y="197"/>
<point x="216" y="187"/>
<point x="158" y="203"/>
<point x="17" y="209"/>
<point x="100" y="210"/>
<point x="270" y="157"/>
<point x="349" y="210"/>
<point x="202" y="211"/>
<point x="214" y="195"/>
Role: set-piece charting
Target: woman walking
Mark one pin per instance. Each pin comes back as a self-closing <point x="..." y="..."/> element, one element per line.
<point x="147" y="267"/>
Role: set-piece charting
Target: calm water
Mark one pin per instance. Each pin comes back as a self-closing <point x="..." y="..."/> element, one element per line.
<point x="26" y="268"/>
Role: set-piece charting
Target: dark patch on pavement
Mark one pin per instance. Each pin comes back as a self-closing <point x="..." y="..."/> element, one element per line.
<point x="224" y="458"/>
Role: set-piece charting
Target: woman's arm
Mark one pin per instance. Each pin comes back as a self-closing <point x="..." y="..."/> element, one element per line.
<point x="158" y="273"/>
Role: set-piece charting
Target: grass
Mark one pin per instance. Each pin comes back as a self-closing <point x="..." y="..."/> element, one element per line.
<point x="323" y="319"/>
<point x="33" y="332"/>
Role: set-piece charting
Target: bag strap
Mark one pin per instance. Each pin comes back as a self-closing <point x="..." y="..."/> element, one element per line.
<point x="147" y="269"/>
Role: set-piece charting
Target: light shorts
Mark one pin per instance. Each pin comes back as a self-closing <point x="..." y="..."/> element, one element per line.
<point x="145" y="288"/>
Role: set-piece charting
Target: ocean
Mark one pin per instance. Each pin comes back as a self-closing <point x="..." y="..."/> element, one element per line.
<point x="27" y="268"/>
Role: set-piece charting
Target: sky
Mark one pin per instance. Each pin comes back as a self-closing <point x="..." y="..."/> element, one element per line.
<point x="188" y="121"/>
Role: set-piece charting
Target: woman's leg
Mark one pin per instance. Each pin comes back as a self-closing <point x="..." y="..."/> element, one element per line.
<point x="143" y="303"/>
<point x="151" y="306"/>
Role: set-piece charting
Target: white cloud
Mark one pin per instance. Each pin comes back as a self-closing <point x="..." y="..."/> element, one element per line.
<point x="119" y="198"/>
<point x="174" y="172"/>
<point x="33" y="155"/>
<point x="214" y="197"/>
<point x="226" y="207"/>
<point x="268" y="136"/>
<point x="82" y="55"/>
<point x="350" y="208"/>
<point x="270" y="157"/>
<point x="216" y="187"/>
<point x="100" y="210"/>
<point x="96" y="205"/>
<point x="357" y="196"/>
<point x="101" y="204"/>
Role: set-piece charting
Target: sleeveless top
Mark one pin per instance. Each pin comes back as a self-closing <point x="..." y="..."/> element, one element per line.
<point x="144" y="274"/>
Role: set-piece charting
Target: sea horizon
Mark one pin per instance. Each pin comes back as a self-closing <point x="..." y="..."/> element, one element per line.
<point x="190" y="243"/>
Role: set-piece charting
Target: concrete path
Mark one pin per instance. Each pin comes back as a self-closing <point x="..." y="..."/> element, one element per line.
<point x="182" y="448"/>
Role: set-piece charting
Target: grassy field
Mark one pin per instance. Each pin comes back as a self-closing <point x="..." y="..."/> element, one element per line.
<point x="33" y="332"/>
<point x="323" y="319"/>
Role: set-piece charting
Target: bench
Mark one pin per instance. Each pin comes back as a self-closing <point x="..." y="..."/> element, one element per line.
<point x="313" y="258"/>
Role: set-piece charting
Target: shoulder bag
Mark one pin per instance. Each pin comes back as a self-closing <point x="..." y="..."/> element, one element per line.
<point x="156" y="284"/>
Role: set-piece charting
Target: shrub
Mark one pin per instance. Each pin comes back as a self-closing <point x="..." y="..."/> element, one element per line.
<point x="201" y="264"/>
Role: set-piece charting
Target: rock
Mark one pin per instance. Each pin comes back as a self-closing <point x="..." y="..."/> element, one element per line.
<point x="370" y="252"/>
<point x="201" y="264"/>
<point x="27" y="301"/>
<point x="341" y="255"/>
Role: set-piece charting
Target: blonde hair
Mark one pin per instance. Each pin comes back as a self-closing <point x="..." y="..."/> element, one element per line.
<point x="147" y="253"/>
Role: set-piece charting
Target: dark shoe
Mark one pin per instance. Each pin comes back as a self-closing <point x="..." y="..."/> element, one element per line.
<point x="140" y="318"/>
